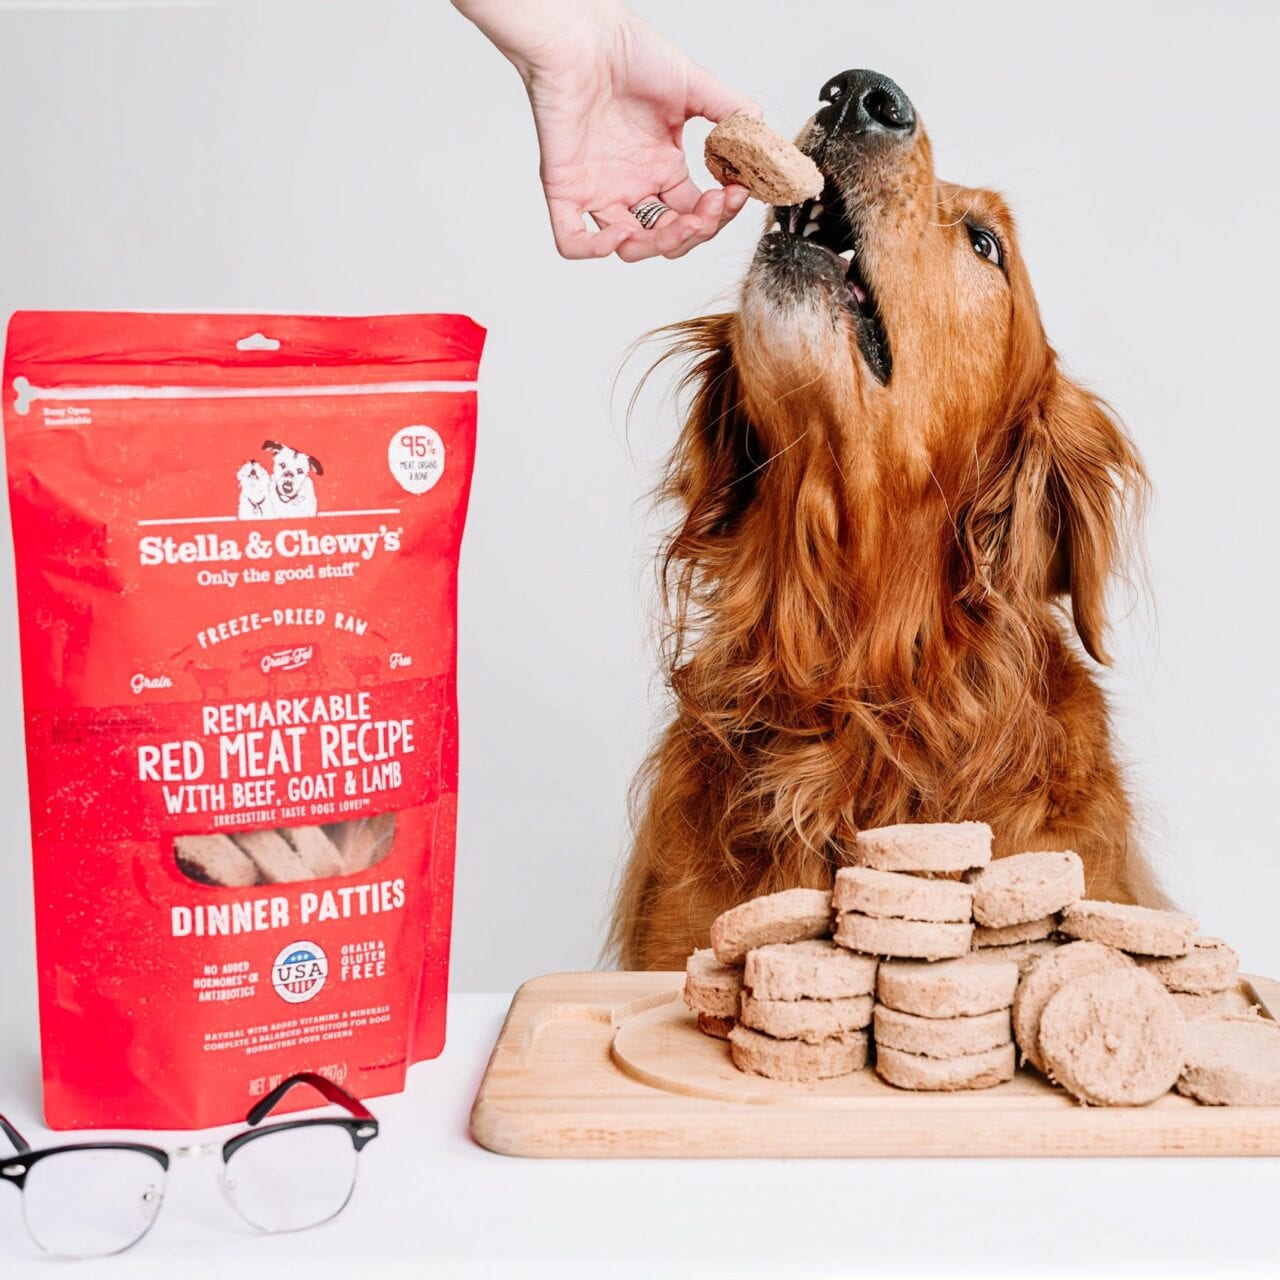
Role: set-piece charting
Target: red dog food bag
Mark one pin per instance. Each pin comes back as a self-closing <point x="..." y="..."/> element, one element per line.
<point x="237" y="546"/>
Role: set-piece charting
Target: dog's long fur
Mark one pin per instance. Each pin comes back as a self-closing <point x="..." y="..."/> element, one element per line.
<point x="866" y="591"/>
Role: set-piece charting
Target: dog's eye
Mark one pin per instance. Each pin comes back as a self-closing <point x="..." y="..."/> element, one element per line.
<point x="985" y="245"/>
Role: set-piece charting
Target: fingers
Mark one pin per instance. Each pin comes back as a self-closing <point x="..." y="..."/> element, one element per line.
<point x="574" y="241"/>
<point x="714" y="101"/>
<point x="672" y="230"/>
<point x="716" y="208"/>
<point x="673" y="239"/>
<point x="665" y="240"/>
<point x="683" y="196"/>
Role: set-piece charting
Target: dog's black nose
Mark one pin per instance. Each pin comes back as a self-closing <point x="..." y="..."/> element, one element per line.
<point x="865" y="102"/>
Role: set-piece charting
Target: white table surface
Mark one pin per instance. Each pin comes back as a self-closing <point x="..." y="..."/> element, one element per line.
<point x="432" y="1203"/>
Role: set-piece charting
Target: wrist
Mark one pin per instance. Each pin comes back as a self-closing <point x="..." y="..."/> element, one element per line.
<point x="531" y="33"/>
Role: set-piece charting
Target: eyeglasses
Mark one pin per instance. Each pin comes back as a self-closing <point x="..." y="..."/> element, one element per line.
<point x="92" y="1199"/>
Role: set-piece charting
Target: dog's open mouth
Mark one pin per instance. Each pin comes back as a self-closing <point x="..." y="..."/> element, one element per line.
<point x="823" y="226"/>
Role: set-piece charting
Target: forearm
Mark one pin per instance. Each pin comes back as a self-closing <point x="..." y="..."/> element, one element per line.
<point x="525" y="31"/>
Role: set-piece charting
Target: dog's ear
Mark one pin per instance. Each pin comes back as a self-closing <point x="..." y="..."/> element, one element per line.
<point x="712" y="472"/>
<point x="1056" y="513"/>
<point x="272" y="446"/>
<point x="314" y="464"/>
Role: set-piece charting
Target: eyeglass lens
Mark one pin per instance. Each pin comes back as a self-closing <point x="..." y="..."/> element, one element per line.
<point x="92" y="1202"/>
<point x="292" y="1178"/>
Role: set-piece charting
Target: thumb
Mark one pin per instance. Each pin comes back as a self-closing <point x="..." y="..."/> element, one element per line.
<point x="714" y="101"/>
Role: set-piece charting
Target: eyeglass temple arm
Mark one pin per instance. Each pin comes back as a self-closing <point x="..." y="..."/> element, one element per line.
<point x="331" y="1092"/>
<point x="20" y="1144"/>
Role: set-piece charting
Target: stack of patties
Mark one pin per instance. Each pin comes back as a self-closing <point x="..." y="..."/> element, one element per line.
<point x="945" y="1024"/>
<point x="898" y="900"/>
<point x="792" y="1005"/>
<point x="943" y="1019"/>
<point x="1017" y="901"/>
<point x="805" y="1011"/>
<point x="713" y="977"/>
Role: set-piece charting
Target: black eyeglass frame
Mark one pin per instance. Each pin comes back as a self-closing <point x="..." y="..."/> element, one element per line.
<point x="362" y="1128"/>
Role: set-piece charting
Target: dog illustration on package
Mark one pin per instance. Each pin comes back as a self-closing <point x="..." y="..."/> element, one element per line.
<point x="287" y="491"/>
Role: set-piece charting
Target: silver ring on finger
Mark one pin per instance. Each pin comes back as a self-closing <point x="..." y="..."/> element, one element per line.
<point x="647" y="212"/>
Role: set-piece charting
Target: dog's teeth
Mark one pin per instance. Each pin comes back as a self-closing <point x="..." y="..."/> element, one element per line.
<point x="777" y="226"/>
<point x="847" y="254"/>
<point x="810" y="228"/>
<point x="817" y="211"/>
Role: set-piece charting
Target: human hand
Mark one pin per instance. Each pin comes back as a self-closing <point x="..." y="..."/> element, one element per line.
<point x="610" y="99"/>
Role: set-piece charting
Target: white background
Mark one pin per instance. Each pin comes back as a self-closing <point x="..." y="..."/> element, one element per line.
<point x="380" y="157"/>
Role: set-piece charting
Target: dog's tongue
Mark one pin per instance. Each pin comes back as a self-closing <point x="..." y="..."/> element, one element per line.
<point x="858" y="292"/>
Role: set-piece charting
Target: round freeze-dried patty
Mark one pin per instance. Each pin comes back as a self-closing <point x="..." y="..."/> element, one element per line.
<point x="1114" y="1039"/>
<point x="1043" y="980"/>
<point x="799" y="1060"/>
<point x="814" y="969"/>
<point x="711" y="987"/>
<point x="1233" y="1061"/>
<point x="743" y="149"/>
<point x="902" y="896"/>
<point x="1209" y="966"/>
<point x="923" y="847"/>
<point x="811" y="1020"/>
<point x="776" y="917"/>
<point x="1143" y="930"/>
<point x="948" y="988"/>
<point x="975" y="1071"/>
<point x="919" y="939"/>
<point x="941" y="1037"/>
<point x="1025" y="887"/>
<point x="1027" y="931"/>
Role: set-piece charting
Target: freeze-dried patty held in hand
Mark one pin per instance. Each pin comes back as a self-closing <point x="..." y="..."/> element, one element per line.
<point x="1028" y="931"/>
<point x="797" y="1059"/>
<point x="1113" y="1039"/>
<point x="1046" y="978"/>
<point x="811" y="1020"/>
<point x="975" y="1071"/>
<point x="941" y="1037"/>
<point x="710" y="987"/>
<point x="1209" y="966"/>
<point x="923" y="847"/>
<point x="1143" y="930"/>
<point x="1232" y="1062"/>
<point x="914" y="939"/>
<point x="813" y="969"/>
<point x="788" y="916"/>
<point x="947" y="989"/>
<point x="745" y="150"/>
<point x="1026" y="887"/>
<point x="901" y="896"/>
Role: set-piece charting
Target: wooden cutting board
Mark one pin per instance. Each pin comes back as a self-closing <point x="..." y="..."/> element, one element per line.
<point x="611" y="1064"/>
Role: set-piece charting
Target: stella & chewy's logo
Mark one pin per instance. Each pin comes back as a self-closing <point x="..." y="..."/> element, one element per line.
<point x="299" y="972"/>
<point x="286" y="659"/>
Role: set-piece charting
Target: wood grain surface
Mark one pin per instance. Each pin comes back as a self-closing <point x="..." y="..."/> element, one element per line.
<point x="611" y="1065"/>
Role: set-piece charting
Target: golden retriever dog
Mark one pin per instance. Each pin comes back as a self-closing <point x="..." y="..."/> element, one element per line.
<point x="899" y="518"/>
